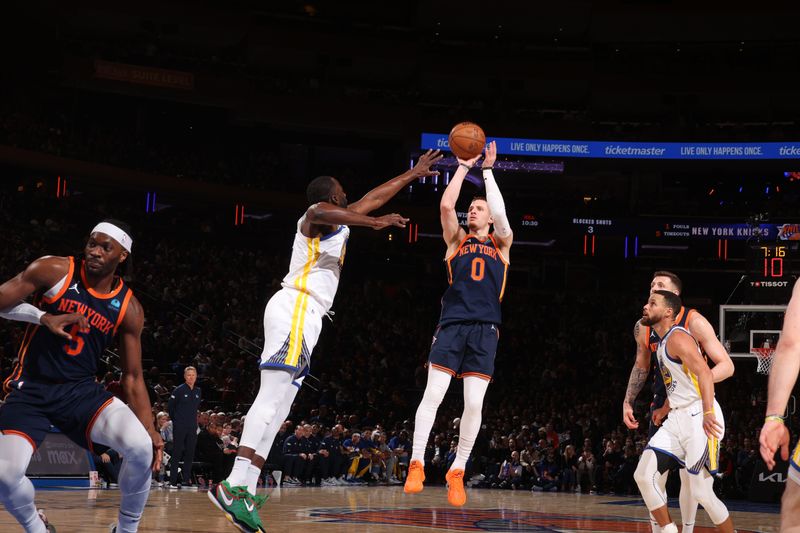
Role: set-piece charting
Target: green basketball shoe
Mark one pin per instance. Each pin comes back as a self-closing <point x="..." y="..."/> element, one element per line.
<point x="238" y="506"/>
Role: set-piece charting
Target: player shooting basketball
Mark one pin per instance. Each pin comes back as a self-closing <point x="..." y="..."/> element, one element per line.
<point x="695" y="426"/>
<point x="775" y="435"/>
<point x="647" y="340"/>
<point x="465" y="341"/>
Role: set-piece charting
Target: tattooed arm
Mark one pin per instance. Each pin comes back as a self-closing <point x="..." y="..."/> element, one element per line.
<point x="641" y="368"/>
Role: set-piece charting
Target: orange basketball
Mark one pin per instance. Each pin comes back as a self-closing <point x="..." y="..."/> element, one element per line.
<point x="467" y="140"/>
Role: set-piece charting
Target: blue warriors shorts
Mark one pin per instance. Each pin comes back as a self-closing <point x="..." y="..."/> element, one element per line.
<point x="465" y="349"/>
<point x="794" y="465"/>
<point x="31" y="409"/>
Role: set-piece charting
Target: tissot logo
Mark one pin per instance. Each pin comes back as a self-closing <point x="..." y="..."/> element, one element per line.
<point x="769" y="284"/>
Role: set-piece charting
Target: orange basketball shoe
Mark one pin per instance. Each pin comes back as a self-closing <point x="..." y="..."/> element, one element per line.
<point x="416" y="475"/>
<point x="455" y="487"/>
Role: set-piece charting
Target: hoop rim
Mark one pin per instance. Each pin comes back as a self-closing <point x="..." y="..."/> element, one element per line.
<point x="762" y="352"/>
<point x="763" y="359"/>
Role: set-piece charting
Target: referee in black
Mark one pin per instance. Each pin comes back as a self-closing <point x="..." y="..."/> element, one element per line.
<point x="182" y="409"/>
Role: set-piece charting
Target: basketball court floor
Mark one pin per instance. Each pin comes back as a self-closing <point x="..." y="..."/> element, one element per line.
<point x="380" y="510"/>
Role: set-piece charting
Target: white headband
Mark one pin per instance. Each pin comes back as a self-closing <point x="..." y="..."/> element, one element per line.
<point x="116" y="233"/>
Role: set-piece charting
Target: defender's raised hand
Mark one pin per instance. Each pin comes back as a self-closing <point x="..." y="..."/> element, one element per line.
<point x="390" y="220"/>
<point x="426" y="161"/>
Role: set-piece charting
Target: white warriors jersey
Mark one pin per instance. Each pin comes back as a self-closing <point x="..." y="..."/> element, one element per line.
<point x="682" y="386"/>
<point x="316" y="265"/>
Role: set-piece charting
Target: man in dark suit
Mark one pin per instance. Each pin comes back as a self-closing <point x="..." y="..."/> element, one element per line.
<point x="182" y="408"/>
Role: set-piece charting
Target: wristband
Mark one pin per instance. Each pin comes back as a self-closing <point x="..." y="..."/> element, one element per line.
<point x="709" y="412"/>
<point x="465" y="166"/>
<point x="776" y="418"/>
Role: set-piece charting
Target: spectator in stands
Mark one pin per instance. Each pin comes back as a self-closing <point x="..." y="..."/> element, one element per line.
<point x="569" y="474"/>
<point x="587" y="469"/>
<point x="297" y="458"/>
<point x="276" y="462"/>
<point x="331" y="460"/>
<point x="210" y="450"/>
<point x="548" y="472"/>
<point x="397" y="466"/>
<point x="108" y="465"/>
<point x="623" y="482"/>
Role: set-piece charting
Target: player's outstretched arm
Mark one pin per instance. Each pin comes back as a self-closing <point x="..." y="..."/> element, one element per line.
<point x="497" y="207"/>
<point x="782" y="377"/>
<point x="639" y="372"/>
<point x="381" y="194"/>
<point x="325" y="214"/>
<point x="39" y="275"/>
<point x="703" y="331"/>
<point x="130" y="345"/>
<point x="684" y="346"/>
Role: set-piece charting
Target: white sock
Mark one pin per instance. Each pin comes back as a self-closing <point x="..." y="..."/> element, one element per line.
<point x="253" y="472"/>
<point x="238" y="476"/>
<point x="438" y="382"/>
<point x="474" y="391"/>
<point x="670" y="528"/>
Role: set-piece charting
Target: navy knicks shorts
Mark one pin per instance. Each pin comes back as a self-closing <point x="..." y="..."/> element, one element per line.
<point x="32" y="407"/>
<point x="465" y="349"/>
<point x="657" y="403"/>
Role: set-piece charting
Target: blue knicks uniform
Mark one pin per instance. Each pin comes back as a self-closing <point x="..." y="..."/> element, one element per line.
<point x="465" y="342"/>
<point x="54" y="380"/>
<point x="659" y="390"/>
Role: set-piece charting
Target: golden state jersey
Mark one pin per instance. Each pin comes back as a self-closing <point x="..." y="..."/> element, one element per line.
<point x="477" y="273"/>
<point x="316" y="265"/>
<point x="45" y="357"/>
<point x="681" y="384"/>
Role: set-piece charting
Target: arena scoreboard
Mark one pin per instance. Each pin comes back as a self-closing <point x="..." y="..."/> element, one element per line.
<point x="769" y="265"/>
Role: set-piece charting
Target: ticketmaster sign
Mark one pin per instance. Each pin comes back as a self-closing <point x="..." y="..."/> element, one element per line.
<point x="628" y="150"/>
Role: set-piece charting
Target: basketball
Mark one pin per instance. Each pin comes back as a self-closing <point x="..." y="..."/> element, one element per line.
<point x="467" y="140"/>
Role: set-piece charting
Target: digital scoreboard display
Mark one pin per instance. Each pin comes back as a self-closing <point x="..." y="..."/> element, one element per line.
<point x="769" y="265"/>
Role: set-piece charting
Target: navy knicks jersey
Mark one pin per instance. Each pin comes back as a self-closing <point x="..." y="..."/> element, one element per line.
<point x="477" y="274"/>
<point x="46" y="357"/>
<point x="653" y="341"/>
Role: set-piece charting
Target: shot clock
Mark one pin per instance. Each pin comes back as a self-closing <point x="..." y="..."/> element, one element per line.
<point x="769" y="266"/>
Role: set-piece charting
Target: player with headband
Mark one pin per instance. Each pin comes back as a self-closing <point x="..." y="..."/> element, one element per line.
<point x="79" y="306"/>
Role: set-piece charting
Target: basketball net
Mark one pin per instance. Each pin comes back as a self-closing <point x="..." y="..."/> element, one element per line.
<point x="764" y="358"/>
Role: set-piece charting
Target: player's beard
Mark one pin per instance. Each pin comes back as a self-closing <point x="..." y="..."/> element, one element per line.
<point x="650" y="320"/>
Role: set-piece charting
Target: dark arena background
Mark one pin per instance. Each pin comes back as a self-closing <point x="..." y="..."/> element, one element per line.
<point x="633" y="136"/>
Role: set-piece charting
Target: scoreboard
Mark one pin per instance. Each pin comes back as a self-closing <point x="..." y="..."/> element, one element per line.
<point x="769" y="265"/>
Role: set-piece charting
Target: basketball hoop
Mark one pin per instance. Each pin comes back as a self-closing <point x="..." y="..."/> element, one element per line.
<point x="764" y="357"/>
